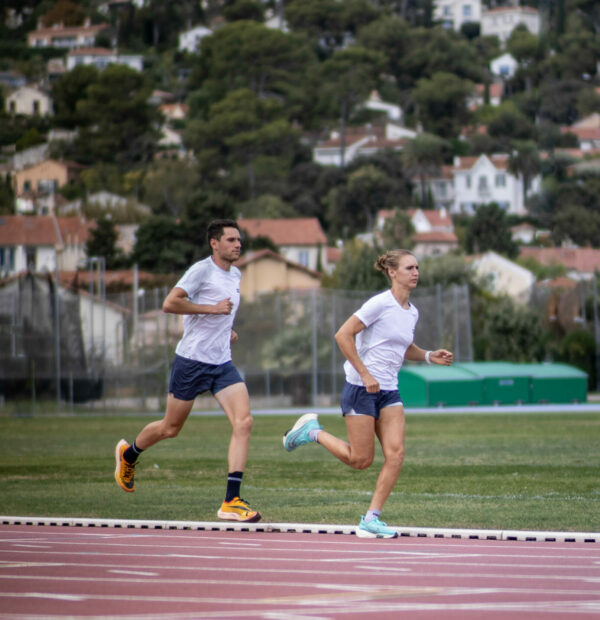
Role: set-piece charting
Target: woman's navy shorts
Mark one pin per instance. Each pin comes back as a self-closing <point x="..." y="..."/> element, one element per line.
<point x="356" y="400"/>
<point x="190" y="378"/>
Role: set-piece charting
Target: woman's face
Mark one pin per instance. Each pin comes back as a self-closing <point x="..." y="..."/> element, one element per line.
<point x="407" y="274"/>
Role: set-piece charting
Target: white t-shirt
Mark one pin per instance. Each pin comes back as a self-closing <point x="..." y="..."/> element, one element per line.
<point x="207" y="337"/>
<point x="390" y="330"/>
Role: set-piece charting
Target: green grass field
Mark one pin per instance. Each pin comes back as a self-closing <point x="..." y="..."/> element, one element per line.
<point x="508" y="471"/>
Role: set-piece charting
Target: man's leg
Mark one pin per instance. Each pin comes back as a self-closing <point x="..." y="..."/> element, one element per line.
<point x="176" y="414"/>
<point x="125" y="455"/>
<point x="235" y="402"/>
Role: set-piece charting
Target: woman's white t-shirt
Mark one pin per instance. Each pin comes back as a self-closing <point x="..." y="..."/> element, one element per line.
<point x="207" y="337"/>
<point x="390" y="330"/>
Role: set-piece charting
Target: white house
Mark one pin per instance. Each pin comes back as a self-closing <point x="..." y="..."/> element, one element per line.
<point x="504" y="66"/>
<point x="504" y="277"/>
<point x="454" y="13"/>
<point x="361" y="142"/>
<point x="70" y="37"/>
<point x="40" y="243"/>
<point x="440" y="187"/>
<point x="300" y="240"/>
<point x="501" y="21"/>
<point x="29" y="101"/>
<point x="434" y="230"/>
<point x="393" y="111"/>
<point x="189" y="41"/>
<point x="587" y="131"/>
<point x="484" y="179"/>
<point x="100" y="57"/>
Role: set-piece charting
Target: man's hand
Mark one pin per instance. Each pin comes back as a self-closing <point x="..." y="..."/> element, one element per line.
<point x="225" y="306"/>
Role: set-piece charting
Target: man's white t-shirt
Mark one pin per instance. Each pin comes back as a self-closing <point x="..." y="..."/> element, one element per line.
<point x="390" y="330"/>
<point x="207" y="337"/>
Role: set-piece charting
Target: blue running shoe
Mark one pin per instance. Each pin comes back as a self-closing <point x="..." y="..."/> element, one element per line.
<point x="298" y="434"/>
<point x="375" y="529"/>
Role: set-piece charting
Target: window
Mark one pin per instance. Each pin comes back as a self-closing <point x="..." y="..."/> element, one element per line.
<point x="468" y="181"/>
<point x="303" y="257"/>
<point x="467" y="11"/>
<point x="36" y="106"/>
<point x="7" y="259"/>
<point x="30" y="258"/>
<point x="27" y="186"/>
<point x="447" y="11"/>
<point x="483" y="184"/>
<point x="501" y="180"/>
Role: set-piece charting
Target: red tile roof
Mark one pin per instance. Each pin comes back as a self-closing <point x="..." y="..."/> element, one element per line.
<point x="584" y="260"/>
<point x="41" y="230"/>
<point x="435" y="236"/>
<point x="466" y="163"/>
<point x="290" y="231"/>
<point x="253" y="257"/>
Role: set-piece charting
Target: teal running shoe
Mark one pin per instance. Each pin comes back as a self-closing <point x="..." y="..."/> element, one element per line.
<point x="298" y="434"/>
<point x="375" y="529"/>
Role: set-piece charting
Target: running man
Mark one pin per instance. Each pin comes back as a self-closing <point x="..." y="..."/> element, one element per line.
<point x="208" y="295"/>
<point x="375" y="341"/>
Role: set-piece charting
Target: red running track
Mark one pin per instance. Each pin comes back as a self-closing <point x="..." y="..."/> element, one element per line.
<point x="60" y="572"/>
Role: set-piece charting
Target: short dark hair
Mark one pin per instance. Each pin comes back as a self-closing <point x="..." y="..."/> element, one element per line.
<point x="215" y="228"/>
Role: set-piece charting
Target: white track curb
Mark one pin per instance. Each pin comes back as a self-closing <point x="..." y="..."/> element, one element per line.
<point x="305" y="528"/>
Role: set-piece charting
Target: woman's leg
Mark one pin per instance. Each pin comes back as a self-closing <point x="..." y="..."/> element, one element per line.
<point x="390" y="430"/>
<point x="358" y="451"/>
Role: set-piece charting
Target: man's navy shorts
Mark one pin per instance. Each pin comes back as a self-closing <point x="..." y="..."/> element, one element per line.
<point x="356" y="400"/>
<point x="190" y="378"/>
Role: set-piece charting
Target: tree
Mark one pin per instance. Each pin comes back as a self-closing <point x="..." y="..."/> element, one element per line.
<point x="103" y="242"/>
<point x="64" y="12"/>
<point x="423" y="157"/>
<point x="122" y="124"/>
<point x="442" y="103"/>
<point x="507" y="123"/>
<point x="348" y="77"/>
<point x="511" y="333"/>
<point x="248" y="55"/>
<point x="322" y="21"/>
<point x="243" y="131"/>
<point x="524" y="161"/>
<point x="577" y="224"/>
<point x="352" y="206"/>
<point x="161" y="246"/>
<point x="398" y="231"/>
<point x="68" y="91"/>
<point x="489" y="230"/>
<point x="355" y="271"/>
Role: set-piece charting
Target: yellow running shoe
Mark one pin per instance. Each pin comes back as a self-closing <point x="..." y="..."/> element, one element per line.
<point x="238" y="510"/>
<point x="124" y="471"/>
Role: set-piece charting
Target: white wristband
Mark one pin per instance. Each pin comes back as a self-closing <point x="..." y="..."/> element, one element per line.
<point x="427" y="357"/>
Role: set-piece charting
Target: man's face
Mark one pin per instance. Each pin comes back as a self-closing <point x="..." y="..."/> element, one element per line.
<point x="229" y="246"/>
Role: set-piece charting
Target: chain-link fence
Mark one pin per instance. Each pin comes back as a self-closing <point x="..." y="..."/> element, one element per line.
<point x="115" y="351"/>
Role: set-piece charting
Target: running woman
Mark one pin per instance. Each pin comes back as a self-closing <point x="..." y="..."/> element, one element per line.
<point x="208" y="295"/>
<point x="375" y="341"/>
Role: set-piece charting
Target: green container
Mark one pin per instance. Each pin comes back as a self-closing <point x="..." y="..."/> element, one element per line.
<point x="437" y="386"/>
<point x="556" y="383"/>
<point x="504" y="383"/>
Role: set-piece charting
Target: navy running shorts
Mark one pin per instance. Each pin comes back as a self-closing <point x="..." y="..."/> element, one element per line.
<point x="356" y="400"/>
<point x="190" y="378"/>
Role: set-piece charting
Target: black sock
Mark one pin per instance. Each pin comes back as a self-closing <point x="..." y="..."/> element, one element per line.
<point x="234" y="481"/>
<point x="132" y="453"/>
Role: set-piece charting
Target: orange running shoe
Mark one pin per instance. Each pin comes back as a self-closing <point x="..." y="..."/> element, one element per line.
<point x="124" y="471"/>
<point x="238" y="510"/>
